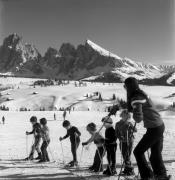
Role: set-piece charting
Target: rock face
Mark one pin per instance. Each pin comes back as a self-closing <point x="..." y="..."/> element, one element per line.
<point x="87" y="61"/>
<point x="17" y="57"/>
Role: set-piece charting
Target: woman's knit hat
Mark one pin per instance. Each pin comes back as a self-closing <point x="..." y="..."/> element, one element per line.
<point x="131" y="83"/>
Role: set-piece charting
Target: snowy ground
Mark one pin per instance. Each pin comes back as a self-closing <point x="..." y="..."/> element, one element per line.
<point x="13" y="139"/>
<point x="54" y="97"/>
<point x="13" y="146"/>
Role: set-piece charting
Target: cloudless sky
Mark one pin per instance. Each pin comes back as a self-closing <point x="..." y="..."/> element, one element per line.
<point x="142" y="30"/>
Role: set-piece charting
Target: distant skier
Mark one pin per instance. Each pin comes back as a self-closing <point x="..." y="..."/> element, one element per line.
<point x="74" y="135"/>
<point x="46" y="140"/>
<point x="3" y="120"/>
<point x="37" y="138"/>
<point x="69" y="110"/>
<point x="64" y="115"/>
<point x="54" y="116"/>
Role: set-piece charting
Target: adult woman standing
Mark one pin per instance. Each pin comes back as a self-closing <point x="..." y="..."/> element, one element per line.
<point x="143" y="109"/>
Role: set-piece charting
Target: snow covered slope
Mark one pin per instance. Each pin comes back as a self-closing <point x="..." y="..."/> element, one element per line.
<point x="130" y="67"/>
<point x="102" y="51"/>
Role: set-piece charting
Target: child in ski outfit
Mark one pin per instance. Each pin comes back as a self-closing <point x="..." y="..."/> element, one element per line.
<point x="46" y="140"/>
<point x="110" y="145"/>
<point x="124" y="132"/>
<point x="98" y="139"/>
<point x="37" y="138"/>
<point x="74" y="135"/>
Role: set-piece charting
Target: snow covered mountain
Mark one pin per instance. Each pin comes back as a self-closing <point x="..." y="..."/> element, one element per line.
<point x="125" y="67"/>
<point x="87" y="61"/>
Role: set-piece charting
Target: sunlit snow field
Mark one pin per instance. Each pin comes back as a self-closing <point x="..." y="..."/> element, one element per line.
<point x="15" y="145"/>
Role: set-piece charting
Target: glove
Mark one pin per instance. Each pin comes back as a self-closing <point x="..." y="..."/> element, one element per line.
<point x="27" y="133"/>
<point x="104" y="118"/>
<point x="77" y="135"/>
<point x="113" y="110"/>
<point x="60" y="138"/>
<point x="84" y="143"/>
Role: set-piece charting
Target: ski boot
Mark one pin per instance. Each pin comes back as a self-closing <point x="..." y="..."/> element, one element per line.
<point x="42" y="161"/>
<point x="110" y="171"/>
<point x="106" y="171"/>
<point x="91" y="168"/>
<point x="39" y="156"/>
<point x="29" y="158"/>
<point x="98" y="170"/>
<point x="113" y="171"/>
<point x="148" y="178"/>
<point x="127" y="172"/>
<point x="72" y="164"/>
<point x="169" y="177"/>
<point x="123" y="173"/>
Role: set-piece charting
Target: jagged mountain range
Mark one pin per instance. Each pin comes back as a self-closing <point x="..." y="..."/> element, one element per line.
<point x="88" y="62"/>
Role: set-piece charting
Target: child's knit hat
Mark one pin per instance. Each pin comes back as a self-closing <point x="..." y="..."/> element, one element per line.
<point x="107" y="119"/>
<point x="33" y="119"/>
<point x="91" y="127"/>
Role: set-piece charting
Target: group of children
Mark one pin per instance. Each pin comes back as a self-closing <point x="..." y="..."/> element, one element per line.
<point x="123" y="131"/>
<point x="40" y="131"/>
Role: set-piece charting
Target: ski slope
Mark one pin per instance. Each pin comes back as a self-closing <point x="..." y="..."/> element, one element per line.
<point x="14" y="145"/>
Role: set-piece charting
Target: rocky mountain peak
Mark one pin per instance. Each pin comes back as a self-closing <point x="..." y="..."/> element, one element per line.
<point x="85" y="61"/>
<point x="12" y="40"/>
<point x="14" y="53"/>
<point x="67" y="49"/>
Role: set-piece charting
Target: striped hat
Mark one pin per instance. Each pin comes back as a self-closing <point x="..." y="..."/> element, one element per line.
<point x="107" y="119"/>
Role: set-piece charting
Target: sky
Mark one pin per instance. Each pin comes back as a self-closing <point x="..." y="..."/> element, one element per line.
<point x="143" y="30"/>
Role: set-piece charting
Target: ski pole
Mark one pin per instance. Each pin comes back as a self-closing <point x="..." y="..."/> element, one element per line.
<point x="101" y="157"/>
<point x="26" y="146"/>
<point x="81" y="154"/>
<point x="76" y="147"/>
<point x="62" y="152"/>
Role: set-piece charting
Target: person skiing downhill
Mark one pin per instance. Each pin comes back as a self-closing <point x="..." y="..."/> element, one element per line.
<point x="140" y="104"/>
<point x="54" y="116"/>
<point x="37" y="138"/>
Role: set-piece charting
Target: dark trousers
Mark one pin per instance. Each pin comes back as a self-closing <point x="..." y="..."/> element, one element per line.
<point x="98" y="159"/>
<point x="111" y="155"/>
<point x="153" y="139"/>
<point x="44" y="152"/>
<point x="35" y="146"/>
<point x="126" y="149"/>
<point x="74" y="147"/>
